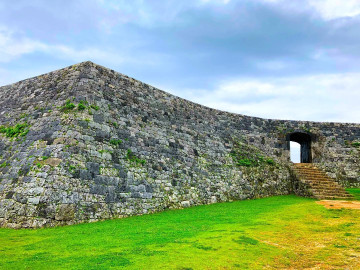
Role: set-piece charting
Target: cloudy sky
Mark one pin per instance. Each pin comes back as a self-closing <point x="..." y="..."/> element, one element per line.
<point x="281" y="59"/>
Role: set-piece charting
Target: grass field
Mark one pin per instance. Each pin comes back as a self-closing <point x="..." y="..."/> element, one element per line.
<point x="272" y="233"/>
<point x="355" y="192"/>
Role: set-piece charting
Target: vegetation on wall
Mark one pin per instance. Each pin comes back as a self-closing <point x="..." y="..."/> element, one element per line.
<point x="130" y="156"/>
<point x="68" y="106"/>
<point x="81" y="105"/>
<point x="248" y="156"/>
<point x="4" y="164"/>
<point x="115" y="142"/>
<point x="95" y="107"/>
<point x="15" y="131"/>
<point x="355" y="144"/>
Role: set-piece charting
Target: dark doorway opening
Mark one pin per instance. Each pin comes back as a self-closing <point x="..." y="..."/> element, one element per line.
<point x="304" y="140"/>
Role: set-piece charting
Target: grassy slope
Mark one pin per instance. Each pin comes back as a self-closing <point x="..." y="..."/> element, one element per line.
<point x="284" y="231"/>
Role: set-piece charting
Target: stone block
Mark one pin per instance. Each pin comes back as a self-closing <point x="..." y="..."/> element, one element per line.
<point x="93" y="167"/>
<point x="65" y="212"/>
<point x="33" y="200"/>
<point x="185" y="204"/>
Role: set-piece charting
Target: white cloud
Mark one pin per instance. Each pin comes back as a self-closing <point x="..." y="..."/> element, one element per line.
<point x="331" y="9"/>
<point x="314" y="98"/>
<point x="13" y="46"/>
<point x="328" y="9"/>
<point x="83" y="54"/>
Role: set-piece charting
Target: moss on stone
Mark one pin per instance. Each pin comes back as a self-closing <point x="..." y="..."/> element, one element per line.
<point x="248" y="156"/>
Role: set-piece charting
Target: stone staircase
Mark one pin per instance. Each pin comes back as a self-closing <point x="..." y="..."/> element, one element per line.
<point x="320" y="184"/>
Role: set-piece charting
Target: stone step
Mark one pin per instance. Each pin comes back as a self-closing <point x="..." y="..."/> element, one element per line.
<point x="327" y="180"/>
<point x="324" y="185"/>
<point x="312" y="174"/>
<point x="320" y="184"/>
<point x="332" y="198"/>
<point x="330" y="193"/>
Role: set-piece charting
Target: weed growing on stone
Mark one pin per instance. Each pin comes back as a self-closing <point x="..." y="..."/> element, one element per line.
<point x="270" y="161"/>
<point x="15" y="131"/>
<point x="306" y="129"/>
<point x="24" y="115"/>
<point x="248" y="156"/>
<point x="115" y="142"/>
<point x="68" y="106"/>
<point x="104" y="151"/>
<point x="4" y="164"/>
<point x="355" y="144"/>
<point x="130" y="156"/>
<point x="95" y="107"/>
<point x="72" y="168"/>
<point x="81" y="106"/>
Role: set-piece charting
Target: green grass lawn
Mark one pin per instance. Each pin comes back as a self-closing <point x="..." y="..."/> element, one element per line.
<point x="355" y="192"/>
<point x="277" y="232"/>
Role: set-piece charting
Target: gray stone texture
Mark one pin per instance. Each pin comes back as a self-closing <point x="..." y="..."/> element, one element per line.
<point x="173" y="153"/>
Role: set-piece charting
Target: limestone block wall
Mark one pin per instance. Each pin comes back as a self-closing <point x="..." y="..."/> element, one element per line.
<point x="335" y="147"/>
<point x="132" y="149"/>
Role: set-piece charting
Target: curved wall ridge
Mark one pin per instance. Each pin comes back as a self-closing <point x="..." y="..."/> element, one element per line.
<point x="86" y="143"/>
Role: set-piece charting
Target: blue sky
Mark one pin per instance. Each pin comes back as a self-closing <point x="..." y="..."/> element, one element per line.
<point x="269" y="58"/>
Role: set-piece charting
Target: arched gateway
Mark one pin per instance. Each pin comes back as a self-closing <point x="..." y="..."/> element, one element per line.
<point x="304" y="139"/>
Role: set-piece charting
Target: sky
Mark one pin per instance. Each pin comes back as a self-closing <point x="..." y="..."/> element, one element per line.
<point x="277" y="59"/>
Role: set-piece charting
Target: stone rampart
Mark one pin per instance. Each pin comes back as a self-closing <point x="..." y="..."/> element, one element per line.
<point x="86" y="143"/>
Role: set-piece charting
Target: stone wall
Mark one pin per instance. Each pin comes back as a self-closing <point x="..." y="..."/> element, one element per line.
<point x="132" y="149"/>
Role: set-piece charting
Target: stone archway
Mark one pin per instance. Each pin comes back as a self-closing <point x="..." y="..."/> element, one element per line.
<point x="304" y="139"/>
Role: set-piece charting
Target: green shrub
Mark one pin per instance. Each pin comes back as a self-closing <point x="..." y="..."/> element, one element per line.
<point x="81" y="106"/>
<point x="95" y="107"/>
<point x="15" y="131"/>
<point x="4" y="164"/>
<point x="355" y="144"/>
<point x="270" y="161"/>
<point x="115" y="142"/>
<point x="104" y="151"/>
<point x="246" y="162"/>
<point x="130" y="156"/>
<point x="68" y="106"/>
